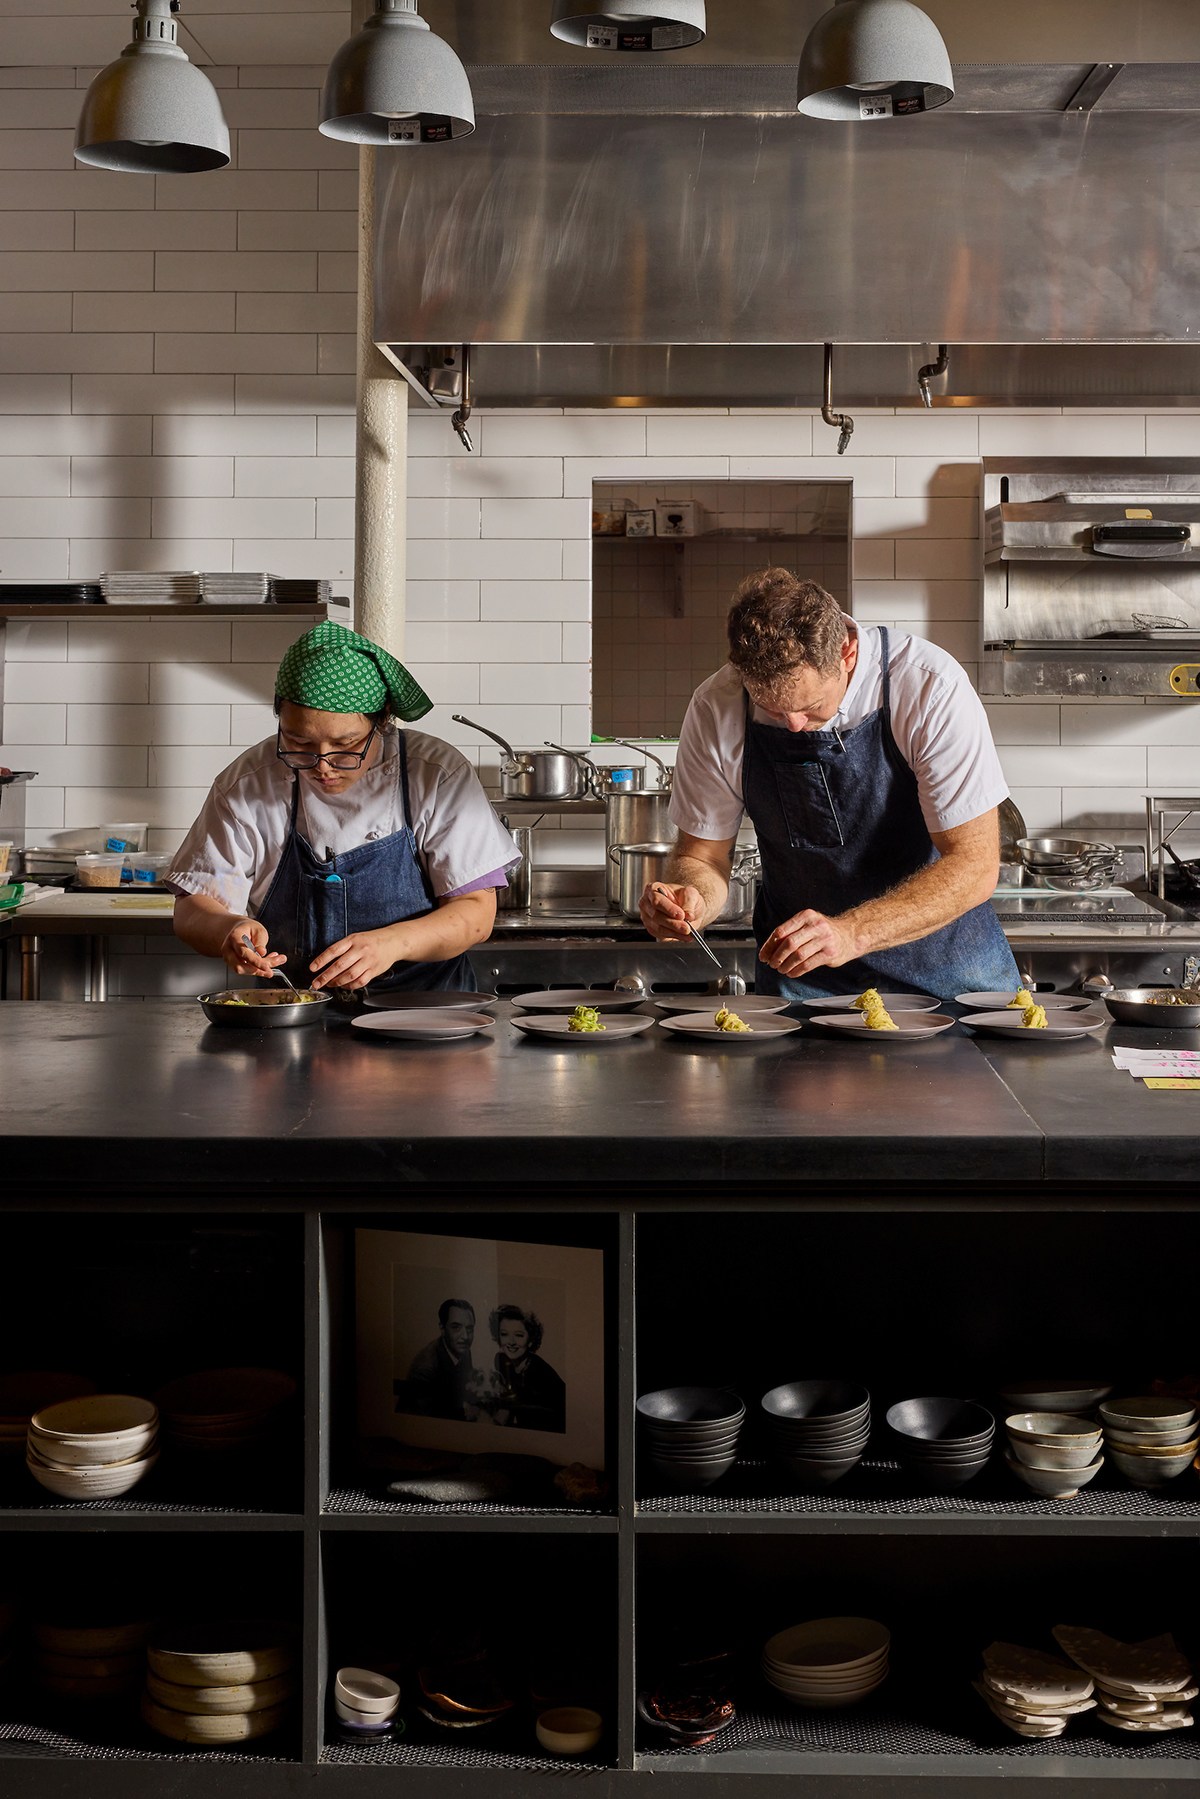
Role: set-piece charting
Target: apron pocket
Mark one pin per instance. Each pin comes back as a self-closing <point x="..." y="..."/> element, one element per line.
<point x="806" y="802"/>
<point x="327" y="908"/>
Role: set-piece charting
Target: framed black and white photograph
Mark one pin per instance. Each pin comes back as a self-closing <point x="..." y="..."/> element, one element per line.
<point x="471" y="1344"/>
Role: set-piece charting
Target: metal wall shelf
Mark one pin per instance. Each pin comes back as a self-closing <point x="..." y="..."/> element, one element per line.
<point x="191" y="611"/>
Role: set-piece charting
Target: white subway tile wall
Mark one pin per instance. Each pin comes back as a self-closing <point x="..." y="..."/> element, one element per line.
<point x="175" y="391"/>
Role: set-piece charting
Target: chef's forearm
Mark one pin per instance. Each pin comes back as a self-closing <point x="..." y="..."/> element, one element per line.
<point x="447" y="931"/>
<point x="203" y="923"/>
<point x="710" y="882"/>
<point x="933" y="897"/>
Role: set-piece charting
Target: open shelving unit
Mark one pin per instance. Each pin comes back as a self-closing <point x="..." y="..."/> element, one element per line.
<point x="746" y="1296"/>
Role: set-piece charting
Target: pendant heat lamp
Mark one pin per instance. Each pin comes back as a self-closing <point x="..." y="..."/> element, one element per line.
<point x="630" y="24"/>
<point x="874" y="59"/>
<point x="151" y="111"/>
<point x="396" y="82"/>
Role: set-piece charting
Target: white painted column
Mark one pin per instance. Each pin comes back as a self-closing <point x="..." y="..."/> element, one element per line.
<point x="381" y="447"/>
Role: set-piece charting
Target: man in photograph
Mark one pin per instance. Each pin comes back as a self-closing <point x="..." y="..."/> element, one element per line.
<point x="440" y="1374"/>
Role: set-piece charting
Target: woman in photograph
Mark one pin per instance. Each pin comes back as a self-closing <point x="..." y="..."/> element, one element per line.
<point x="530" y="1394"/>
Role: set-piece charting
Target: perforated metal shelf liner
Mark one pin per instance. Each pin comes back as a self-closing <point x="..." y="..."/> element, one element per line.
<point x="37" y="1740"/>
<point x="419" y="1755"/>
<point x="358" y="1502"/>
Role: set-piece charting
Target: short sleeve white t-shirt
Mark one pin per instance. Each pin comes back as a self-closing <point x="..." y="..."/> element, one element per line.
<point x="232" y="851"/>
<point x="937" y="718"/>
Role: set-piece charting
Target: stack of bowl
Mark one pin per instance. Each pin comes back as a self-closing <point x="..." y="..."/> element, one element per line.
<point x="1150" y="1441"/>
<point x="816" y="1429"/>
<point x="691" y="1434"/>
<point x="223" y="1411"/>
<point x="1054" y="1453"/>
<point x="211" y="1684"/>
<point x="828" y="1662"/>
<point x="21" y="1395"/>
<point x="93" y="1448"/>
<point x="366" y="1704"/>
<point x="89" y="1664"/>
<point x="942" y="1443"/>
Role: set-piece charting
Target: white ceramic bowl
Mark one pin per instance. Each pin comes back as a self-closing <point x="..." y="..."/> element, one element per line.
<point x="1054" y="1483"/>
<point x="199" y="1656"/>
<point x="568" y="1730"/>
<point x="101" y="1428"/>
<point x="1144" y="1439"/>
<point x="91" y="1454"/>
<point x="1150" y="1414"/>
<point x="841" y="1644"/>
<point x="1149" y="1470"/>
<point x="362" y="1690"/>
<point x="1062" y="1455"/>
<point x="214" y="1701"/>
<point x="1052" y="1429"/>
<point x="91" y="1483"/>
<point x="226" y="1727"/>
<point x="1153" y="1452"/>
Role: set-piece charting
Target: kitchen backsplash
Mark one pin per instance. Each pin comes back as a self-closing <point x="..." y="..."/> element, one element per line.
<point x="176" y="390"/>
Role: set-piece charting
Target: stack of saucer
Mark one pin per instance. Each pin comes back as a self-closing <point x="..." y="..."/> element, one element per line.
<point x="94" y="1448"/>
<point x="366" y="1704"/>
<point x="87" y="1663"/>
<point x="817" y="1429"/>
<point x="691" y="1434"/>
<point x="223" y="1411"/>
<point x="1150" y="1440"/>
<point x="828" y="1662"/>
<point x="1142" y="1687"/>
<point x="943" y="1443"/>
<point x="1033" y="1694"/>
<point x="1052" y="1452"/>
<point x="218" y="1683"/>
<point x="21" y="1395"/>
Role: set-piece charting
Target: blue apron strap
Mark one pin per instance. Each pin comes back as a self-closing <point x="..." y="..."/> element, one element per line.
<point x="885" y="655"/>
<point x="402" y="779"/>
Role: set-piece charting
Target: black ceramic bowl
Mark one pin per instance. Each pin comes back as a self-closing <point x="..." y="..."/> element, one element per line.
<point x="951" y="1423"/>
<point x="691" y="1406"/>
<point x="816" y="1402"/>
<point x="801" y="1472"/>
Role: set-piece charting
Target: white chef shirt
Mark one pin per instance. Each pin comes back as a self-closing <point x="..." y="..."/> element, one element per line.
<point x="232" y="851"/>
<point x="937" y="718"/>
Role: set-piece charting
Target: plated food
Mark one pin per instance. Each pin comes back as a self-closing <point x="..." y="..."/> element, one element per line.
<point x="894" y="1002"/>
<point x="904" y="1026"/>
<point x="585" y="1018"/>
<point x="615" y="1028"/>
<point x="725" y="1020"/>
<point x="1059" y="1027"/>
<point x="1051" y="1002"/>
<point x="701" y="1024"/>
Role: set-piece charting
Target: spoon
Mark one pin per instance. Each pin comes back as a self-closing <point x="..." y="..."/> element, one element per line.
<point x="267" y="966"/>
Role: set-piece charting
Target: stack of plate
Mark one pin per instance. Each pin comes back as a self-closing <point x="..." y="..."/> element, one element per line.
<point x="691" y="1434"/>
<point x="212" y="1683"/>
<point x="817" y="1429"/>
<point x="944" y="1443"/>
<point x="21" y="1395"/>
<point x="223" y="1411"/>
<point x="1052" y="1452"/>
<point x="282" y="591"/>
<point x="1033" y="1694"/>
<point x="1142" y="1687"/>
<point x="233" y="590"/>
<point x="94" y="1448"/>
<point x="128" y="587"/>
<point x="828" y="1662"/>
<point x="366" y="1703"/>
<point x="90" y="1664"/>
<point x="1150" y="1440"/>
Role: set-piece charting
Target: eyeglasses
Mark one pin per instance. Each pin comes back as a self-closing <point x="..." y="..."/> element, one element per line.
<point x="339" y="760"/>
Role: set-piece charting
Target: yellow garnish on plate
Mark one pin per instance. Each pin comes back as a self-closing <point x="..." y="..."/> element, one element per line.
<point x="866" y="1000"/>
<point x="1034" y="1018"/>
<point x="725" y="1020"/>
<point x="880" y="1019"/>
<point x="1021" y="1000"/>
<point x="585" y="1018"/>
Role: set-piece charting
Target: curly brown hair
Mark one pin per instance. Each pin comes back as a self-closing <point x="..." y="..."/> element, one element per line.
<point x="778" y="622"/>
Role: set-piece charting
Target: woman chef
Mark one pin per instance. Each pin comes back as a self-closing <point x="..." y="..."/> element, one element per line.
<point x="349" y="849"/>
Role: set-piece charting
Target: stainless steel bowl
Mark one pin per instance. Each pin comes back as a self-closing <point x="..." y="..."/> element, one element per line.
<point x="1146" y="1006"/>
<point x="264" y="1010"/>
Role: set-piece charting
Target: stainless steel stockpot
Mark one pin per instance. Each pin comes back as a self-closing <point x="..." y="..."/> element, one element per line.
<point x="639" y="864"/>
<point x="549" y="774"/>
<point x="634" y="816"/>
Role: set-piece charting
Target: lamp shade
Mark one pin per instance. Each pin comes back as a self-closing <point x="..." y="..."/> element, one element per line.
<point x="874" y="59"/>
<point x="396" y="82"/>
<point x="151" y="111"/>
<point x="630" y="24"/>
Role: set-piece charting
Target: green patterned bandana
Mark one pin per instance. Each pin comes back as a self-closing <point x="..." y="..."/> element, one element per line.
<point x="335" y="670"/>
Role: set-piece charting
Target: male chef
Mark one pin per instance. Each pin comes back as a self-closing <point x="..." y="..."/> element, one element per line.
<point x="864" y="761"/>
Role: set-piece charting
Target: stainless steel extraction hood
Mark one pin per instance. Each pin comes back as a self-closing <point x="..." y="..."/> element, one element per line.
<point x="639" y="231"/>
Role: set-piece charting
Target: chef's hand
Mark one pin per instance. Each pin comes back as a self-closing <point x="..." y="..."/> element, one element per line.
<point x="239" y="958"/>
<point x="809" y="940"/>
<point x="667" y="911"/>
<point x="353" y="961"/>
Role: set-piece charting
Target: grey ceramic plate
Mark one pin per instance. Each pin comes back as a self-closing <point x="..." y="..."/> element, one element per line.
<point x="679" y="1003"/>
<point x="1049" y="1002"/>
<point x="766" y="1024"/>
<point x="1059" y="1029"/>
<point x="442" y="1027"/>
<point x="565" y="999"/>
<point x="552" y="1025"/>
<point x="908" y="1025"/>
<point x="447" y="1000"/>
<point x="900" y="1002"/>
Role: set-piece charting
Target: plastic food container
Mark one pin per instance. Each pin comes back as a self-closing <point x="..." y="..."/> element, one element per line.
<point x="123" y="837"/>
<point x="147" y="869"/>
<point x="98" y="871"/>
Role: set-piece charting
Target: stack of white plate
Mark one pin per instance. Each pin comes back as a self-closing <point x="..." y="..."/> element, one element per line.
<point x="223" y="1411"/>
<point x="218" y="589"/>
<point x="828" y="1662"/>
<point x="366" y="1703"/>
<point x="93" y="1448"/>
<point x="21" y="1395"/>
<point x="89" y="1664"/>
<point x="212" y="1683"/>
<point x="1032" y="1694"/>
<point x="130" y="587"/>
<point x="1143" y="1688"/>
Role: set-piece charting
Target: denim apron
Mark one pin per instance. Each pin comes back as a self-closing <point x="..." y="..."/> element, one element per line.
<point x="839" y="822"/>
<point x="313" y="902"/>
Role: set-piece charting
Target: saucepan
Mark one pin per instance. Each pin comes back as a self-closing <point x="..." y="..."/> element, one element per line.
<point x="549" y="774"/>
<point x="1161" y="1008"/>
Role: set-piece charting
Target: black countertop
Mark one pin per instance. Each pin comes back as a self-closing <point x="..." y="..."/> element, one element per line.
<point x="147" y="1093"/>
